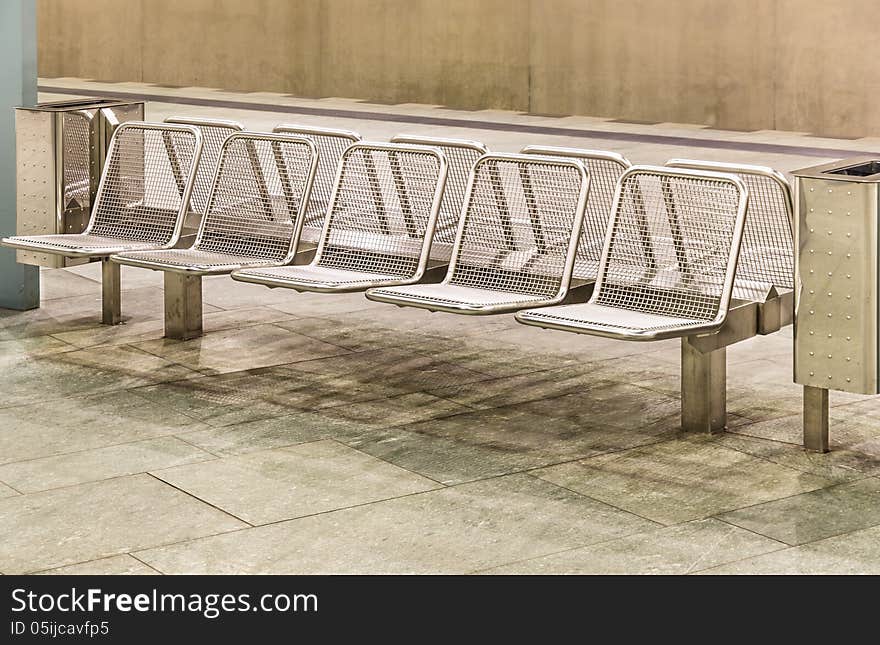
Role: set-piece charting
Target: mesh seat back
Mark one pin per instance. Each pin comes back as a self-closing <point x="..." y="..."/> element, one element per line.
<point x="519" y="229"/>
<point x="767" y="253"/>
<point x="214" y="133"/>
<point x="672" y="243"/>
<point x="139" y="196"/>
<point x="605" y="169"/>
<point x="384" y="209"/>
<point x="261" y="183"/>
<point x="330" y="143"/>
<point x="461" y="155"/>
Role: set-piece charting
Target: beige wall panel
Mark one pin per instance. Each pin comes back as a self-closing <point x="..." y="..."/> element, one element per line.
<point x="459" y="53"/>
<point x="269" y="45"/>
<point x="98" y="39"/>
<point x="693" y="61"/>
<point x="828" y="77"/>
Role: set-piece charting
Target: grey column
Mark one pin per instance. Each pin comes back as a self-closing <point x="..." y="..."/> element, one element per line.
<point x="703" y="389"/>
<point x="19" y="283"/>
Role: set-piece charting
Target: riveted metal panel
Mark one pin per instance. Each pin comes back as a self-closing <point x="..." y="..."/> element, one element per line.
<point x="836" y="321"/>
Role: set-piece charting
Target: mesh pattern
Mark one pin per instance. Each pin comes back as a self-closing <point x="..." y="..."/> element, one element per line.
<point x="379" y="219"/>
<point x="139" y="197"/>
<point x="594" y="317"/>
<point x="460" y="156"/>
<point x="670" y="245"/>
<point x="76" y="160"/>
<point x="330" y="145"/>
<point x="213" y="136"/>
<point x="252" y="213"/>
<point x="767" y="254"/>
<point x="604" y="174"/>
<point x="80" y="243"/>
<point x="518" y="226"/>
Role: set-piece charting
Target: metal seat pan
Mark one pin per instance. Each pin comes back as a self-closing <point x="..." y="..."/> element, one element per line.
<point x="321" y="279"/>
<point x="612" y="322"/>
<point x="79" y="244"/>
<point x="192" y="262"/>
<point x="457" y="299"/>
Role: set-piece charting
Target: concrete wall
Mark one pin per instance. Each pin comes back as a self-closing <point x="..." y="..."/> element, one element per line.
<point x="739" y="64"/>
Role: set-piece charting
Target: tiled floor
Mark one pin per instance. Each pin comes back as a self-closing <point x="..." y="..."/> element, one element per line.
<point x="311" y="433"/>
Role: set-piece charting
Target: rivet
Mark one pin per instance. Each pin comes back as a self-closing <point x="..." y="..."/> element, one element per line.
<point x="812" y="353"/>
<point x="848" y="276"/>
<point x="812" y="189"/>
<point x="849" y="234"/>
<point x="829" y="335"/>
<point x="812" y="210"/>
<point x="849" y="337"/>
<point x="830" y="377"/>
<point x="829" y="212"/>
<point x="848" y="359"/>
<point x="830" y="190"/>
<point x="849" y="297"/>
<point x="812" y="332"/>
<point x="830" y="274"/>
<point x="812" y="312"/>
<point x="849" y="192"/>
<point x="829" y="232"/>
<point x="848" y="380"/>
<point x="830" y="315"/>
<point x="812" y="292"/>
<point x="812" y="251"/>
<point x="849" y="317"/>
<point x="849" y="255"/>
<point x="812" y="373"/>
<point x="829" y="252"/>
<point x="829" y="355"/>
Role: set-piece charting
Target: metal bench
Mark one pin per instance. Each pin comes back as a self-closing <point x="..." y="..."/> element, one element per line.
<point x="214" y="133"/>
<point x="378" y="228"/>
<point x="461" y="155"/>
<point x="331" y="143"/>
<point x="139" y="205"/>
<point x="252" y="219"/>
<point x="516" y="240"/>
<point x="668" y="271"/>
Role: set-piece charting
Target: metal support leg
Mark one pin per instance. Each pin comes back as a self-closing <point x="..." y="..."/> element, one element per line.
<point x="183" y="305"/>
<point x="815" y="419"/>
<point x="111" y="293"/>
<point x="703" y="389"/>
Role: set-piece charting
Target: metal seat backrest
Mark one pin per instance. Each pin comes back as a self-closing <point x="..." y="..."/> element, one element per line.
<point x="604" y="168"/>
<point x="261" y="183"/>
<point x="461" y="155"/>
<point x="672" y="243"/>
<point x="767" y="254"/>
<point x="214" y="133"/>
<point x="519" y="228"/>
<point x="331" y="143"/>
<point x="374" y="225"/>
<point x="139" y="197"/>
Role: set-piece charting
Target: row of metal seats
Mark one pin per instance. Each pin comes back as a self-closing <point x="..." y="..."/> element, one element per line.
<point x="569" y="239"/>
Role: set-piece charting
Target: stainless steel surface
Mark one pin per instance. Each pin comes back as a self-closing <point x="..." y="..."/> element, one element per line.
<point x="816" y="438"/>
<point x="111" y="293"/>
<point x="605" y="169"/>
<point x="516" y="238"/>
<point x="378" y="231"/>
<point x="767" y="253"/>
<point x="836" y="298"/>
<point x="60" y="150"/>
<point x="183" y="306"/>
<point x="669" y="261"/>
<point x="214" y="133"/>
<point x="330" y="143"/>
<point x="253" y="213"/>
<point x="461" y="155"/>
<point x="138" y="205"/>
<point x="703" y="388"/>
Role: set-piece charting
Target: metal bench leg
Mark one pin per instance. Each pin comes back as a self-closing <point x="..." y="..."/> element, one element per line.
<point x="111" y="293"/>
<point x="183" y="306"/>
<point x="703" y="389"/>
<point x="815" y="419"/>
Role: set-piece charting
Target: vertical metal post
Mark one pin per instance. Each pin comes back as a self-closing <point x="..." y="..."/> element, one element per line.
<point x="703" y="389"/>
<point x="19" y="283"/>
<point x="111" y="293"/>
<point x="815" y="419"/>
<point x="183" y="305"/>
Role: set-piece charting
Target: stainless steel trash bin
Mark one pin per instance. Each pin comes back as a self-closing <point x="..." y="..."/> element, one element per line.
<point x="837" y="331"/>
<point x="60" y="151"/>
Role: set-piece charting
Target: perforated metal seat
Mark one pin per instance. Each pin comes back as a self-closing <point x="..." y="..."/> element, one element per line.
<point x="139" y="204"/>
<point x="605" y="169"/>
<point x="252" y="213"/>
<point x="330" y="143"/>
<point x="669" y="261"/>
<point x="516" y="238"/>
<point x="214" y="133"/>
<point x="766" y="258"/>
<point x="461" y="155"/>
<point x="379" y="227"/>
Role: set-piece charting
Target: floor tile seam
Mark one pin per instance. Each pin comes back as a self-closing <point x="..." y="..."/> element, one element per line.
<point x="197" y="498"/>
<point x="440" y="484"/>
